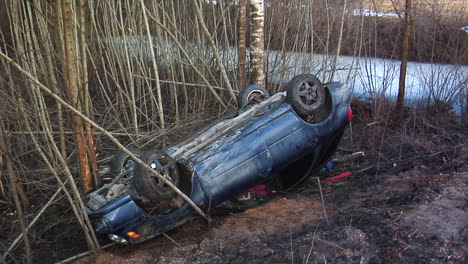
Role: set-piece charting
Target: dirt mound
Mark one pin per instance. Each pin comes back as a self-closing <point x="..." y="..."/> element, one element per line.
<point x="412" y="217"/>
<point x="445" y="216"/>
<point x="280" y="217"/>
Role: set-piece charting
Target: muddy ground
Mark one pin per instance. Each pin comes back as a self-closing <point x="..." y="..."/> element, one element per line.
<point x="410" y="217"/>
<point x="405" y="202"/>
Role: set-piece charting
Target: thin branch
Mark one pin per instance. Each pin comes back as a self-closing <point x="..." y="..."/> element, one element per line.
<point x="105" y="132"/>
<point x="18" y="238"/>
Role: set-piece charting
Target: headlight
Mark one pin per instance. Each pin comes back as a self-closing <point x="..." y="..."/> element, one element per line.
<point x="117" y="239"/>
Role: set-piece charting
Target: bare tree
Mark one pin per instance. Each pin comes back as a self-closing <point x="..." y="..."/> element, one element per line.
<point x="242" y="43"/>
<point x="257" y="49"/>
<point x="155" y="67"/>
<point x="73" y="83"/>
<point x="408" y="21"/>
<point x="213" y="47"/>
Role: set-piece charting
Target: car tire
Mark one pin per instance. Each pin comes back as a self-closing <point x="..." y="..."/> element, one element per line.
<point x="151" y="189"/>
<point x="305" y="93"/>
<point x="121" y="161"/>
<point x="252" y="94"/>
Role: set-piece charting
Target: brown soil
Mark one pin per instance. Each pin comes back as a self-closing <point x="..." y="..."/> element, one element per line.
<point x="280" y="217"/>
<point x="406" y="202"/>
<point x="410" y="217"/>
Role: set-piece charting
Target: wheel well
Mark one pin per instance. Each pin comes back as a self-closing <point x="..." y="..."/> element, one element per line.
<point x="295" y="173"/>
<point x="186" y="173"/>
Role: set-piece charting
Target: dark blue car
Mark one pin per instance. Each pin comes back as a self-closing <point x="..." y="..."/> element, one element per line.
<point x="275" y="141"/>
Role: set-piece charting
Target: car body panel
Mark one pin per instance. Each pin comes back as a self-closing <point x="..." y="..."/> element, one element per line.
<point x="119" y="213"/>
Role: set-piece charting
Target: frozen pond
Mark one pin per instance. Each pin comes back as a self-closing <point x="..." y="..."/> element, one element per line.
<point x="375" y="77"/>
<point x="368" y="77"/>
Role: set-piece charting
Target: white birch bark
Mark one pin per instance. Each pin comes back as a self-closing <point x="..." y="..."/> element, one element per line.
<point x="257" y="49"/>
<point x="242" y="43"/>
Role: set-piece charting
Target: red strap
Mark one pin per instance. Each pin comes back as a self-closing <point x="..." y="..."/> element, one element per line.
<point x="339" y="177"/>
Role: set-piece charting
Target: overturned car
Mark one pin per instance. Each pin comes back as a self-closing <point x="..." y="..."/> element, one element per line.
<point x="275" y="141"/>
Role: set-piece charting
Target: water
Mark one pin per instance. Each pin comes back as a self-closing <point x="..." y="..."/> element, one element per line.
<point x="368" y="77"/>
<point x="377" y="77"/>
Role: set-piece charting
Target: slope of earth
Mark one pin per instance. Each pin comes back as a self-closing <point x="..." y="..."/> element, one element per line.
<point x="411" y="217"/>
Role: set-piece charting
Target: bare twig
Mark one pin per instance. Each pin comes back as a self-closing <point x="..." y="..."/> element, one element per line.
<point x="172" y="240"/>
<point x="322" y="199"/>
<point x="5" y="147"/>
<point x="330" y="243"/>
<point x="311" y="246"/>
<point x="18" y="238"/>
<point x="105" y="132"/>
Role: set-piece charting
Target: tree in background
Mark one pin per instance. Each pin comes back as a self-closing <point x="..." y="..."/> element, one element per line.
<point x="257" y="15"/>
<point x="242" y="43"/>
<point x="408" y="21"/>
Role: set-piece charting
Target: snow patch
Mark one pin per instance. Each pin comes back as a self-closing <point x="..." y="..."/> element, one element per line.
<point x="373" y="13"/>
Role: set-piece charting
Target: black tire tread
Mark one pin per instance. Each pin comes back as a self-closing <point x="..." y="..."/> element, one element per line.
<point x="119" y="158"/>
<point x="292" y="94"/>
<point x="144" y="185"/>
<point x="243" y="97"/>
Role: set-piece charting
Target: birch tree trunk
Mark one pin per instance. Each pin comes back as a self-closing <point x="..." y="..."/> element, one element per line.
<point x="242" y="43"/>
<point x="257" y="49"/>
<point x="404" y="57"/>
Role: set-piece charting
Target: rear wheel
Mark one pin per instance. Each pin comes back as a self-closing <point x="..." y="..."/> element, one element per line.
<point x="252" y="94"/>
<point x="121" y="162"/>
<point x="150" y="187"/>
<point x="305" y="93"/>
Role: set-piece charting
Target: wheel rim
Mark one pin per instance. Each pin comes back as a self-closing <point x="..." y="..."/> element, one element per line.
<point x="255" y="96"/>
<point x="308" y="93"/>
<point x="128" y="164"/>
<point x="164" y="169"/>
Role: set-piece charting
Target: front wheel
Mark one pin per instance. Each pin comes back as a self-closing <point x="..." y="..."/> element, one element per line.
<point x="147" y="185"/>
<point x="305" y="93"/>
